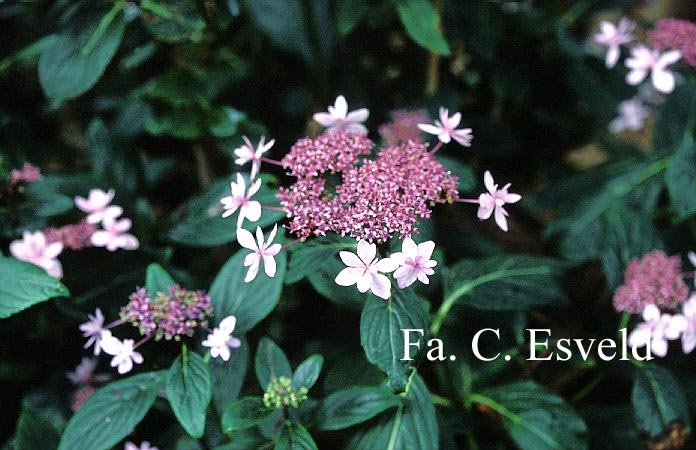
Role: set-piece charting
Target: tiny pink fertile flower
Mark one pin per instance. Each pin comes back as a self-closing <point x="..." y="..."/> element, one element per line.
<point x="35" y="249"/>
<point x="221" y="340"/>
<point x="364" y="270"/>
<point x="114" y="235"/>
<point x="656" y="329"/>
<point x="241" y="200"/>
<point x="632" y="115"/>
<point x="446" y="129"/>
<point x="265" y="251"/>
<point x="145" y="445"/>
<point x="248" y="152"/>
<point x="339" y="119"/>
<point x="27" y="174"/>
<point x="414" y="262"/>
<point x="644" y="60"/>
<point x="96" y="205"/>
<point x="613" y="37"/>
<point x="494" y="200"/>
<point x="123" y="352"/>
<point x="92" y="330"/>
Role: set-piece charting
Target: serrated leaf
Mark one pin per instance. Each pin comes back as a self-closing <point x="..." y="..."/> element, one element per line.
<point x="244" y="413"/>
<point x="294" y="436"/>
<point x="658" y="400"/>
<point x="422" y="23"/>
<point x="157" y="279"/>
<point x="270" y="363"/>
<point x="23" y="285"/>
<point x="681" y="178"/>
<point x="307" y="372"/>
<point x="348" y="407"/>
<point x="112" y="413"/>
<point x="188" y="389"/>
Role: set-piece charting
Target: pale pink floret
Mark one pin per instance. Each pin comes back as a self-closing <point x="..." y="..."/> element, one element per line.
<point x="248" y="152"/>
<point x="92" y="330"/>
<point x="689" y="334"/>
<point x="35" y="249"/>
<point x="339" y="119"/>
<point x="494" y="200"/>
<point x="446" y="129"/>
<point x="657" y="329"/>
<point x="632" y="115"/>
<point x="145" y="445"/>
<point x="83" y="373"/>
<point x="114" y="235"/>
<point x="265" y="251"/>
<point x="123" y="352"/>
<point x="692" y="260"/>
<point x="644" y="60"/>
<point x="96" y="205"/>
<point x="241" y="200"/>
<point x="221" y="340"/>
<point x="613" y="37"/>
<point x="27" y="174"/>
<point x="414" y="262"/>
<point x="364" y="270"/>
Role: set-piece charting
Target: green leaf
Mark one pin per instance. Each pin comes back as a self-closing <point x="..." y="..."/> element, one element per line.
<point x="270" y="363"/>
<point x="112" y="413"/>
<point x="111" y="164"/>
<point x="173" y="20"/>
<point x="349" y="13"/>
<point x="658" y="400"/>
<point x="323" y="280"/>
<point x="188" y="389"/>
<point x="681" y="178"/>
<point x="71" y="65"/>
<point x="53" y="194"/>
<point x="23" y="285"/>
<point x="34" y="431"/>
<point x="311" y="256"/>
<point x="244" y="413"/>
<point x="676" y="118"/>
<point x="422" y="23"/>
<point x="467" y="178"/>
<point x="381" y="336"/>
<point x="294" y="436"/>
<point x="534" y="417"/>
<point x="249" y="302"/>
<point x="307" y="372"/>
<point x="413" y="425"/>
<point x="229" y="375"/>
<point x="348" y="407"/>
<point x="157" y="279"/>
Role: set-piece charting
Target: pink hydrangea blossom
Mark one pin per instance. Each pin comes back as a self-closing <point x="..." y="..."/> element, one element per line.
<point x="145" y="445"/>
<point x="446" y="129"/>
<point x="114" y="235"/>
<point x="241" y="200"/>
<point x="403" y="127"/>
<point x="96" y="205"/>
<point x="676" y="34"/>
<point x="221" y="340"/>
<point x="494" y="201"/>
<point x="123" y="352"/>
<point x="339" y="119"/>
<point x="656" y="329"/>
<point x="632" y="115"/>
<point x="92" y="330"/>
<point x="689" y="334"/>
<point x="27" y="174"/>
<point x="74" y="237"/>
<point x="414" y="262"/>
<point x="329" y="152"/>
<point x="364" y="270"/>
<point x="644" y="60"/>
<point x="261" y="250"/>
<point x="613" y="37"/>
<point x="248" y="152"/>
<point x="84" y="372"/>
<point x="34" y="248"/>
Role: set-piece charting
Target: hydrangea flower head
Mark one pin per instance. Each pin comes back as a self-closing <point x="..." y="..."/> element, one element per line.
<point x="331" y="152"/>
<point x="613" y="37"/>
<point x="494" y="201"/>
<point x="241" y="200"/>
<point x="221" y="340"/>
<point x="248" y="152"/>
<point x="339" y="119"/>
<point x="34" y="248"/>
<point x="644" y="60"/>
<point x="676" y="34"/>
<point x="414" y="262"/>
<point x="364" y="270"/>
<point x="261" y="251"/>
<point x="115" y="236"/>
<point x="657" y="329"/>
<point x="403" y="127"/>
<point x="96" y="205"/>
<point x="282" y="394"/>
<point x="632" y="115"/>
<point x="446" y="129"/>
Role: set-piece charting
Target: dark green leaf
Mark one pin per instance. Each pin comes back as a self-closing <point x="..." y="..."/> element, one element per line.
<point x="270" y="363"/>
<point x="676" y="118"/>
<point x="348" y="14"/>
<point x="157" y="279"/>
<point x="294" y="436"/>
<point x="23" y="285"/>
<point x="422" y="23"/>
<point x="311" y="256"/>
<point x="307" y="372"/>
<point x="323" y="280"/>
<point x="229" y="376"/>
<point x="244" y="413"/>
<point x="354" y="405"/>
<point x="658" y="400"/>
<point x="188" y="389"/>
<point x="467" y="178"/>
<point x="34" y="432"/>
<point x="681" y="178"/>
<point x="173" y="20"/>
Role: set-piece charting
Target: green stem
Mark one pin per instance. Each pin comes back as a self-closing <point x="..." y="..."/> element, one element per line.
<point x="102" y="27"/>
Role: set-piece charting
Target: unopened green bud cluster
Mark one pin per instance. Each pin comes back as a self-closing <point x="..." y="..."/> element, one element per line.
<point x="281" y="393"/>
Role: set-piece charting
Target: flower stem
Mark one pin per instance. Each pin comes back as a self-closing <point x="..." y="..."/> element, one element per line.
<point x="273" y="208"/>
<point x="290" y="244"/>
<point x="466" y="200"/>
<point x="271" y="161"/>
<point x="437" y="147"/>
<point x="142" y="341"/>
<point x="115" y="323"/>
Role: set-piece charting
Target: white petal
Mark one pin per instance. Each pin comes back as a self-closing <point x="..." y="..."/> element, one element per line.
<point x="380" y="286"/>
<point x="252" y="272"/>
<point x="324" y="119"/>
<point x="612" y="56"/>
<point x="350" y="259"/>
<point x="340" y="107"/>
<point x="252" y="211"/>
<point x="245" y="239"/>
<point x="387" y="265"/>
<point x="651" y="313"/>
<point x="366" y="251"/>
<point x="425" y="249"/>
<point x="359" y="115"/>
<point x="227" y="324"/>
<point x="269" y="265"/>
<point x="636" y="76"/>
<point x="663" y="80"/>
<point x="430" y="129"/>
<point x="409" y="247"/>
<point x="348" y="276"/>
<point x="500" y="218"/>
<point x="364" y="281"/>
<point x="489" y="183"/>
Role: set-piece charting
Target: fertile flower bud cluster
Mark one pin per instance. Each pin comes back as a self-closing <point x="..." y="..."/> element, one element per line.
<point x="282" y="394"/>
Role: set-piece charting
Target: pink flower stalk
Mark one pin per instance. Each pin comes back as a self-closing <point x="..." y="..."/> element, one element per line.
<point x="34" y="248"/>
<point x="656" y="329"/>
<point x="83" y="373"/>
<point x="494" y="200"/>
<point x="27" y="174"/>
<point x="114" y="235"/>
<point x="329" y="152"/>
<point x="678" y="35"/>
<point x="74" y="237"/>
<point x="632" y="115"/>
<point x="689" y="334"/>
<point x="414" y="262"/>
<point x="644" y="60"/>
<point x="364" y="270"/>
<point x="248" y="152"/>
<point x="221" y="340"/>
<point x="241" y="200"/>
<point x="655" y="279"/>
<point x="446" y="129"/>
<point x="403" y="127"/>
<point x="96" y="205"/>
<point x="145" y="445"/>
<point x="261" y="250"/>
<point x="123" y="352"/>
<point x="92" y="330"/>
<point x="613" y="37"/>
<point x="339" y="119"/>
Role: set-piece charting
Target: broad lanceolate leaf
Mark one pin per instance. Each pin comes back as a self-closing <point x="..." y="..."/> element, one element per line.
<point x="681" y="178"/>
<point x="294" y="436"/>
<point x="535" y="418"/>
<point x="157" y="279"/>
<point x="412" y="425"/>
<point x="270" y="362"/>
<point x="71" y="65"/>
<point x="112" y="413"/>
<point x="188" y="389"/>
<point x="381" y="336"/>
<point x="244" y="413"/>
<point x="422" y="23"/>
<point x="23" y="285"/>
<point x="354" y="405"/>
<point x="323" y="280"/>
<point x="658" y="400"/>
<point x="307" y="372"/>
<point x="249" y="302"/>
<point x="228" y="376"/>
<point x="309" y="257"/>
